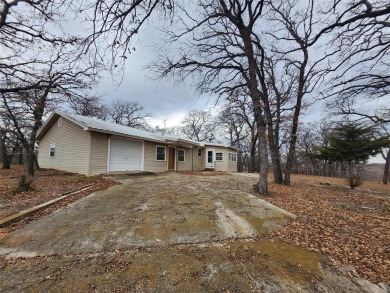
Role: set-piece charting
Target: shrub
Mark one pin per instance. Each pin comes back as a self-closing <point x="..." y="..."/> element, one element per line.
<point x="354" y="180"/>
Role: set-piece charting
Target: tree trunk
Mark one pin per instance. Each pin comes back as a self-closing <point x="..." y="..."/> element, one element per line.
<point x="36" y="164"/>
<point x="240" y="162"/>
<point x="276" y="165"/>
<point x="21" y="154"/>
<point x="262" y="186"/>
<point x="30" y="163"/>
<point x="252" y="162"/>
<point x="386" y="171"/>
<point x="273" y="141"/>
<point x="3" y="150"/>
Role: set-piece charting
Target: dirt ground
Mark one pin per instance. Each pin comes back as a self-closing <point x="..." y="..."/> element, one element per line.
<point x="48" y="184"/>
<point x="183" y="232"/>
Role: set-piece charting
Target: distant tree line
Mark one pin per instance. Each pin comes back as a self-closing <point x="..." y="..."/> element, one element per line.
<point x="266" y="61"/>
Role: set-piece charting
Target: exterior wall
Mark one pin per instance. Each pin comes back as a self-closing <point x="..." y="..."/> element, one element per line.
<point x="86" y="152"/>
<point x="72" y="148"/>
<point x="99" y="153"/>
<point x="221" y="165"/>
<point x="225" y="164"/>
<point x="150" y="163"/>
<point x="232" y="166"/>
<point x="187" y="165"/>
<point x="199" y="162"/>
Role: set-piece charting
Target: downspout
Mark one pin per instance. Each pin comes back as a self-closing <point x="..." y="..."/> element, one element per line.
<point x="192" y="162"/>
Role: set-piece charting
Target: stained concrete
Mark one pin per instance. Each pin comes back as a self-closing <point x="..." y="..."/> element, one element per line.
<point x="166" y="233"/>
<point x="142" y="211"/>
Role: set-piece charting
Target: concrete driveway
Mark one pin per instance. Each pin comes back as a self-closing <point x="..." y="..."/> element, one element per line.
<point x="142" y="211"/>
<point x="165" y="233"/>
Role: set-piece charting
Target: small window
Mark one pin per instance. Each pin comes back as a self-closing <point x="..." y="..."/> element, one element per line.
<point x="232" y="157"/>
<point x="199" y="152"/>
<point x="160" y="153"/>
<point x="52" y="152"/>
<point x="219" y="156"/>
<point x="181" y="155"/>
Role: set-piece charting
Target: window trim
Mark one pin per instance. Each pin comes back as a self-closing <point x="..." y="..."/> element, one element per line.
<point x="201" y="152"/>
<point x="184" y="155"/>
<point x="52" y="146"/>
<point x="165" y="153"/>
<point x="233" y="157"/>
<point x="216" y="156"/>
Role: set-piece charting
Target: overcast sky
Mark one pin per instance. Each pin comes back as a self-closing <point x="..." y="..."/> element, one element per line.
<point x="167" y="103"/>
<point x="162" y="99"/>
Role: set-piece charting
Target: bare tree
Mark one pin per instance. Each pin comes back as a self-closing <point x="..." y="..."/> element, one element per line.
<point x="3" y="148"/>
<point x="128" y="113"/>
<point x="234" y="126"/>
<point x="240" y="105"/>
<point x="63" y="76"/>
<point x="115" y="23"/>
<point x="199" y="126"/>
<point x="296" y="28"/>
<point x="224" y="55"/>
<point x="90" y="106"/>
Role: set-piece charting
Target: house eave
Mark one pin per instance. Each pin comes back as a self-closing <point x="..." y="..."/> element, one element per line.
<point x="123" y="135"/>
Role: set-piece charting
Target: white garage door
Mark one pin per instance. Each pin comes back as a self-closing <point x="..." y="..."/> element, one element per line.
<point x="125" y="155"/>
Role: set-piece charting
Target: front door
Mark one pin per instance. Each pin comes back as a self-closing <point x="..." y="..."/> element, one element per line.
<point x="210" y="159"/>
<point x="171" y="159"/>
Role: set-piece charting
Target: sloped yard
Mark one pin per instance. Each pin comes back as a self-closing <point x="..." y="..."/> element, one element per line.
<point x="198" y="232"/>
<point x="47" y="185"/>
<point x="350" y="226"/>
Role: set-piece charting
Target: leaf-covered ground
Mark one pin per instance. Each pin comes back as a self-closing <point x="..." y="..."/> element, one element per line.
<point x="351" y="227"/>
<point x="47" y="185"/>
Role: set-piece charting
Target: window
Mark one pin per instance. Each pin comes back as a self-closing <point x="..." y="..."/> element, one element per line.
<point x="219" y="156"/>
<point x="181" y="155"/>
<point x="52" y="152"/>
<point x="199" y="152"/>
<point x="160" y="153"/>
<point x="232" y="157"/>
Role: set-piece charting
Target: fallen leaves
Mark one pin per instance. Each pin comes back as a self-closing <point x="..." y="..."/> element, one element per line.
<point x="334" y="221"/>
<point x="47" y="185"/>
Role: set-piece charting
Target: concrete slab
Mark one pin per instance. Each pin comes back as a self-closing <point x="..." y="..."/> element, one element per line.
<point x="166" y="233"/>
<point x="142" y="211"/>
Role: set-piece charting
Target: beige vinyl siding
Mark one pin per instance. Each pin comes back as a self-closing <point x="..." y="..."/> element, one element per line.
<point x="187" y="165"/>
<point x="222" y="165"/>
<point x="72" y="148"/>
<point x="150" y="163"/>
<point x="99" y="152"/>
<point x="199" y="161"/>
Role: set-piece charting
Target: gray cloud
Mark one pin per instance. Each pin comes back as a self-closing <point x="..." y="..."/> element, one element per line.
<point x="160" y="98"/>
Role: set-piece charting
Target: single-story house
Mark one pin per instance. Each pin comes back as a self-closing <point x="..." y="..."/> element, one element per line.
<point x="91" y="146"/>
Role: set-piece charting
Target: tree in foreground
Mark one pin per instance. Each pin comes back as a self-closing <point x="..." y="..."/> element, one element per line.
<point x="352" y="143"/>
